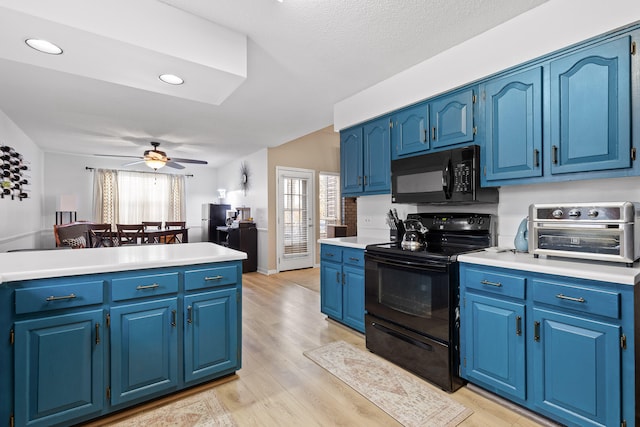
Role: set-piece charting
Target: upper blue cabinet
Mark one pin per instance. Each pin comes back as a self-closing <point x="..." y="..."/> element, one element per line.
<point x="365" y="159"/>
<point x="441" y="122"/>
<point x="591" y="108"/>
<point x="513" y="125"/>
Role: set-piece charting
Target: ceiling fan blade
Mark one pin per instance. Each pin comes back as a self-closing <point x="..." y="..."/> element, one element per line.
<point x="197" y="162"/>
<point x="174" y="165"/>
<point x="116" y="155"/>
<point x="137" y="162"/>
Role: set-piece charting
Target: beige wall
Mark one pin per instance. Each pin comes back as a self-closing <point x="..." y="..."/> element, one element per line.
<point x="319" y="151"/>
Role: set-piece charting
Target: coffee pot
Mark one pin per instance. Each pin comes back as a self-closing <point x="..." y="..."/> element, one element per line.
<point x="414" y="235"/>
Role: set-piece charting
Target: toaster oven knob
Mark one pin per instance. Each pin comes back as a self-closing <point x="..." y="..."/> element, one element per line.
<point x="574" y="213"/>
<point x="557" y="213"/>
<point x="593" y="213"/>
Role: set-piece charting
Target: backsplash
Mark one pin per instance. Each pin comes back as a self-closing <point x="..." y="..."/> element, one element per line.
<point x="513" y="206"/>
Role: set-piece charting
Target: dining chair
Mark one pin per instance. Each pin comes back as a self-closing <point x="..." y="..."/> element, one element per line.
<point x="152" y="224"/>
<point x="73" y="234"/>
<point x="129" y="234"/>
<point x="174" y="225"/>
<point x="100" y="235"/>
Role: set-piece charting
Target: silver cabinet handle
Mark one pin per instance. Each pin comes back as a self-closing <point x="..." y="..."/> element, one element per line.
<point x="52" y="298"/>
<point x="208" y="279"/>
<point x="337" y="277"/>
<point x="189" y="318"/>
<point x="571" y="298"/>
<point x="518" y="325"/>
<point x="487" y="282"/>
<point x="354" y="258"/>
<point x="97" y="333"/>
<point x="536" y="157"/>
<point x="536" y="331"/>
<point x="153" y="286"/>
<point x="173" y="318"/>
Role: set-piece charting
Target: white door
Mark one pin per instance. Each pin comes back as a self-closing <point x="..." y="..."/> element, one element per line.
<point x="296" y="226"/>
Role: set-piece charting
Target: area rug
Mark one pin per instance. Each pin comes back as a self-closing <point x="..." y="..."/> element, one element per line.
<point x="405" y="397"/>
<point x="201" y="409"/>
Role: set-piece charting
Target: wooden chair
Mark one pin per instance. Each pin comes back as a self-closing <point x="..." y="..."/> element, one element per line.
<point x="100" y="235"/>
<point x="152" y="224"/>
<point x="130" y="234"/>
<point x="174" y="225"/>
<point x="73" y="234"/>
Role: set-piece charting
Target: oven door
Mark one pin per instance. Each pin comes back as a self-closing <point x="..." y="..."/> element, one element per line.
<point x="410" y="293"/>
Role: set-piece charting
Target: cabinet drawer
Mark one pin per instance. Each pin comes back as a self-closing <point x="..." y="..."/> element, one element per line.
<point x="575" y="297"/>
<point x="209" y="277"/>
<point x="497" y="283"/>
<point x="331" y="253"/>
<point x="59" y="296"/>
<point x="144" y="286"/>
<point x="353" y="257"/>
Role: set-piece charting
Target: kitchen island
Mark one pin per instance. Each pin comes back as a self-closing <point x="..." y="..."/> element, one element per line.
<point x="556" y="335"/>
<point x="90" y="332"/>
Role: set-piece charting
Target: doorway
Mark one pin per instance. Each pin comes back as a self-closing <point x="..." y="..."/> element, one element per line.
<point x="295" y="217"/>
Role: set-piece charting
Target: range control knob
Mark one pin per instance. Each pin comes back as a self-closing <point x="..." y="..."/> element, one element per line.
<point x="575" y="213"/>
<point x="593" y="213"/>
<point x="557" y="213"/>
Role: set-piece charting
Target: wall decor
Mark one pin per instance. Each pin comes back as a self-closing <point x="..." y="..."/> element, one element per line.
<point x="12" y="177"/>
<point x="244" y="177"/>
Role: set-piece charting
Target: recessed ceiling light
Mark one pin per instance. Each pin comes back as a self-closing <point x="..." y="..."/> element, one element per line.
<point x="171" y="79"/>
<point x="44" y="46"/>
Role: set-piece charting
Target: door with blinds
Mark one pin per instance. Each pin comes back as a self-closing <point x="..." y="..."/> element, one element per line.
<point x="296" y="226"/>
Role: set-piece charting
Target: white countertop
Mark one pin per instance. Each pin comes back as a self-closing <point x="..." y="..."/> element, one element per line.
<point x="352" y="242"/>
<point x="592" y="270"/>
<point x="26" y="265"/>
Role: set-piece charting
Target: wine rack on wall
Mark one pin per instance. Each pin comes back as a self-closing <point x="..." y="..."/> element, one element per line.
<point x="13" y="180"/>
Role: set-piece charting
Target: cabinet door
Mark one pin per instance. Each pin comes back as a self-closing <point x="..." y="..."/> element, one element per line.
<point x="210" y="333"/>
<point x="377" y="157"/>
<point x="452" y="119"/>
<point x="351" y="160"/>
<point x="591" y="109"/>
<point x="513" y="125"/>
<point x="59" y="364"/>
<point x="577" y="367"/>
<point x="144" y="349"/>
<point x="331" y="289"/>
<point x="353" y="303"/>
<point x="493" y="343"/>
<point x="411" y="131"/>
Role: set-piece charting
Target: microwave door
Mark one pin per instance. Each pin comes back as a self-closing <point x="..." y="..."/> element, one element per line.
<point x="447" y="178"/>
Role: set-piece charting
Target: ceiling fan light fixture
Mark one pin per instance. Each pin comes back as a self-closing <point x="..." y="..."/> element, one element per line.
<point x="44" y="46"/>
<point x="171" y="79"/>
<point x="155" y="164"/>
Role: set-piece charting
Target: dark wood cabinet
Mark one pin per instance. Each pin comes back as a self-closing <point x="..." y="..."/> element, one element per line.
<point x="242" y="238"/>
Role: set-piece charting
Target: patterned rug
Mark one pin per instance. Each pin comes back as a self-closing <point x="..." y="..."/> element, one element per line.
<point x="407" y="398"/>
<point x="201" y="409"/>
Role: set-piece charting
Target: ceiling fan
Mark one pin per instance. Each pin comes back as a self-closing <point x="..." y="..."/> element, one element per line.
<point x="156" y="159"/>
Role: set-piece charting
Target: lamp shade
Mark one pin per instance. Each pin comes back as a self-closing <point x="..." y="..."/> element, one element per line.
<point x="68" y="203"/>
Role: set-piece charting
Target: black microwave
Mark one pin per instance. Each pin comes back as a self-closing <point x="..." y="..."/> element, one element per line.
<point x="450" y="176"/>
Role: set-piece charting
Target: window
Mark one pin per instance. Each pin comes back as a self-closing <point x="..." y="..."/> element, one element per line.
<point x="123" y="197"/>
<point x="329" y="201"/>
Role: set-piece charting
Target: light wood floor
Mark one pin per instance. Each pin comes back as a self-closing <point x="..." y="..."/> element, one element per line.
<point x="279" y="386"/>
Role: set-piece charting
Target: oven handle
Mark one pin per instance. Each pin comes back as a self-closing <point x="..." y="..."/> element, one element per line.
<point x="415" y="265"/>
<point x="399" y="336"/>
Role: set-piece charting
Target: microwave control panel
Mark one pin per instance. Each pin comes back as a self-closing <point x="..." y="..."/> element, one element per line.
<point x="462" y="178"/>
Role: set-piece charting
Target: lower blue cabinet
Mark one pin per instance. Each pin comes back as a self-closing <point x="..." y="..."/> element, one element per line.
<point x="59" y="365"/>
<point x="144" y="349"/>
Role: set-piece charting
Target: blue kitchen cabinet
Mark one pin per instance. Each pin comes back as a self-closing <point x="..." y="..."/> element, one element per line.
<point x="365" y="159"/>
<point x="410" y="132"/>
<point x="511" y="109"/>
<point x="557" y="345"/>
<point x="144" y="349"/>
<point x="590" y="108"/>
<point x="210" y="333"/>
<point x="451" y="118"/>
<point x="342" y="285"/>
<point x="59" y="365"/>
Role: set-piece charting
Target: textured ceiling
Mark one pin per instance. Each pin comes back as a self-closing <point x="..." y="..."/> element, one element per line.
<point x="302" y="56"/>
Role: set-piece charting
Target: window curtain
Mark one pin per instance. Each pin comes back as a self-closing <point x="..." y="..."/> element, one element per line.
<point x="124" y="197"/>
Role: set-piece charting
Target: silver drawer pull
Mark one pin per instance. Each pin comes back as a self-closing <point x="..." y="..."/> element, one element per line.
<point x="213" y="278"/>
<point x="496" y="284"/>
<point x="570" y="298"/>
<point x="354" y="258"/>
<point x="52" y="298"/>
<point x="153" y="286"/>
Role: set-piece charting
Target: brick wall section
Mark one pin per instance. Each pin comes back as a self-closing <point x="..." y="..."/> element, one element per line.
<point x="350" y="214"/>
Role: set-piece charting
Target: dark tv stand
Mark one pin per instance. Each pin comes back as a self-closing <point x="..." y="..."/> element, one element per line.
<point x="242" y="238"/>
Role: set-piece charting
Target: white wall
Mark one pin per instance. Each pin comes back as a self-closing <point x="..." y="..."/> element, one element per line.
<point x="21" y="221"/>
<point x="66" y="174"/>
<point x="549" y="27"/>
<point x="256" y="196"/>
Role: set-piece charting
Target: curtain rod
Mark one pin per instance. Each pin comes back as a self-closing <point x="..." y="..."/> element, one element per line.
<point x="188" y="175"/>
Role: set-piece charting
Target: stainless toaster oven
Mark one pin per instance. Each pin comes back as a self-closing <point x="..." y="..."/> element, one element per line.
<point x="595" y="231"/>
